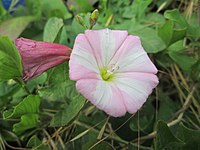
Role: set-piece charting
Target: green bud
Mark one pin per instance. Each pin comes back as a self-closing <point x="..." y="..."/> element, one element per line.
<point x="94" y="17"/>
<point x="79" y="19"/>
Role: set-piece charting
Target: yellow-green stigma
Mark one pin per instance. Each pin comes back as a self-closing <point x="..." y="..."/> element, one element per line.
<point x="108" y="74"/>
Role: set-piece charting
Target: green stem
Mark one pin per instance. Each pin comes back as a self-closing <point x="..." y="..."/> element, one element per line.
<point x="91" y="27"/>
<point x="23" y="85"/>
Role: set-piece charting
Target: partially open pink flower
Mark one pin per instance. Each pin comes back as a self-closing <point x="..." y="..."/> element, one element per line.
<point x="112" y="70"/>
<point x="37" y="57"/>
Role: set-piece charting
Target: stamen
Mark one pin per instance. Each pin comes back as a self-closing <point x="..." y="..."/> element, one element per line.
<point x="113" y="68"/>
<point x="108" y="74"/>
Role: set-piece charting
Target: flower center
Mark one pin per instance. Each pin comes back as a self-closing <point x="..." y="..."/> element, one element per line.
<point x="107" y="74"/>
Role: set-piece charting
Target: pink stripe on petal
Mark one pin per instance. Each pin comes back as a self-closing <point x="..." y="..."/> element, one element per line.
<point x="147" y="80"/>
<point x="131" y="57"/>
<point x="102" y="95"/>
<point x="81" y="41"/>
<point x="78" y="71"/>
<point x="135" y="87"/>
<point x="132" y="103"/>
<point x="83" y="49"/>
<point x="115" y="106"/>
<point x="82" y="63"/>
<point x="105" y="43"/>
<point x="87" y="87"/>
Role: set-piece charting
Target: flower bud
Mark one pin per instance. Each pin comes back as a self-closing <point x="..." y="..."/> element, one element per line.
<point x="37" y="57"/>
<point x="94" y="17"/>
<point x="79" y="19"/>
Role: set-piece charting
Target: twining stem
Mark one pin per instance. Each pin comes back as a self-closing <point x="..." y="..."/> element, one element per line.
<point x="116" y="138"/>
<point x="175" y="81"/>
<point x="195" y="102"/>
<point x="107" y="136"/>
<point x="50" y="140"/>
<point x="180" y="114"/>
<point x="23" y="85"/>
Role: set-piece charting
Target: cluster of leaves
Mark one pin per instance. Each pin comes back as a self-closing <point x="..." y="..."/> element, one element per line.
<point x="48" y="113"/>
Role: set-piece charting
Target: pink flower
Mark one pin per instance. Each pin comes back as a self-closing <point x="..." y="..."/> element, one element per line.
<point x="37" y="57"/>
<point x="112" y="70"/>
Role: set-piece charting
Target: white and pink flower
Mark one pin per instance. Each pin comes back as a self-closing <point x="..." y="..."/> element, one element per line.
<point x="112" y="70"/>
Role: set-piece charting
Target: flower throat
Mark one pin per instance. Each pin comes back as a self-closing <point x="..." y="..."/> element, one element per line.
<point x="108" y="73"/>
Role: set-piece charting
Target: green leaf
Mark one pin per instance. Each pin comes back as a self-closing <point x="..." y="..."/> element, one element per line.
<point x="35" y="143"/>
<point x="178" y="34"/>
<point x="34" y="7"/>
<point x="175" y="16"/>
<point x="193" y="31"/>
<point x="6" y="92"/>
<point x="52" y="29"/>
<point x="155" y="18"/>
<point x="10" y="61"/>
<point x="195" y="72"/>
<point x="150" y="40"/>
<point x="63" y="36"/>
<point x="55" y="8"/>
<point x="84" y="5"/>
<point x="40" y="80"/>
<point x="165" y="138"/>
<point x="60" y="88"/>
<point x="139" y="8"/>
<point x="103" y="146"/>
<point x="59" y="92"/>
<point x="184" y="61"/>
<point x="166" y="32"/>
<point x="8" y="135"/>
<point x="146" y="117"/>
<point x="28" y="106"/>
<point x="169" y="34"/>
<point x="2" y="10"/>
<point x="15" y="26"/>
<point x="190" y="137"/>
<point x="167" y="107"/>
<point x="28" y="121"/>
<point x="177" y="47"/>
<point x="69" y="113"/>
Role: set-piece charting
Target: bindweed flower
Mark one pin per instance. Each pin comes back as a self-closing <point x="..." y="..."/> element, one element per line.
<point x="112" y="70"/>
<point x="37" y="57"/>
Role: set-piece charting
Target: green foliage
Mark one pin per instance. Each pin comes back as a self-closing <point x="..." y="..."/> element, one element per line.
<point x="52" y="28"/>
<point x="139" y="7"/>
<point x="28" y="121"/>
<point x="150" y="40"/>
<point x="165" y="138"/>
<point x="84" y="5"/>
<point x="145" y="120"/>
<point x="175" y="16"/>
<point x="55" y="8"/>
<point x="28" y="106"/>
<point x="2" y="10"/>
<point x="189" y="136"/>
<point x="169" y="34"/>
<point x="10" y="61"/>
<point x="36" y="143"/>
<point x="59" y="87"/>
<point x="27" y="110"/>
<point x="34" y="7"/>
<point x="9" y="29"/>
<point x="70" y="111"/>
<point x="185" y="138"/>
<point x="183" y="61"/>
